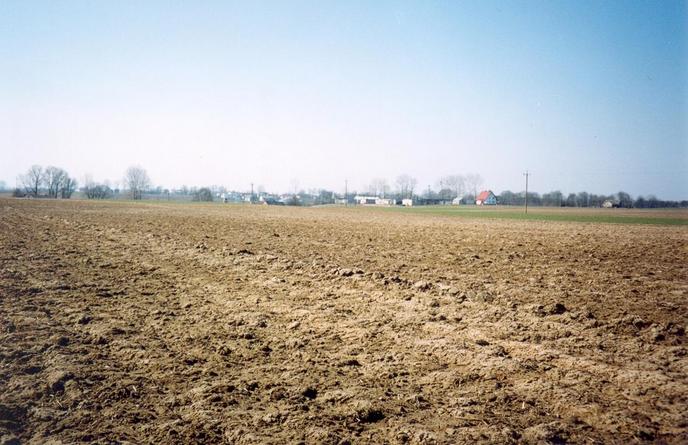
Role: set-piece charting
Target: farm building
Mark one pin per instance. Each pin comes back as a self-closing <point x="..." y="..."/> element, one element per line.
<point x="271" y="201"/>
<point x="609" y="204"/>
<point x="433" y="201"/>
<point x="365" y="200"/>
<point x="373" y="200"/>
<point x="486" y="197"/>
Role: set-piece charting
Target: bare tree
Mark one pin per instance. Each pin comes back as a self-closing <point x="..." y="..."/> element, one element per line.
<point x="384" y="187"/>
<point x="378" y="187"/>
<point x="473" y="181"/>
<point x="88" y="181"/>
<point x="294" y="183"/>
<point x="53" y="178"/>
<point x="455" y="183"/>
<point x="67" y="187"/>
<point x="32" y="180"/>
<point x="97" y="191"/>
<point x="405" y="185"/>
<point x="90" y="188"/>
<point x="137" y="180"/>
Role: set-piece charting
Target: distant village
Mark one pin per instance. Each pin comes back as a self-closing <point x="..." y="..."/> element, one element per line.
<point x="453" y="190"/>
<point x="486" y="197"/>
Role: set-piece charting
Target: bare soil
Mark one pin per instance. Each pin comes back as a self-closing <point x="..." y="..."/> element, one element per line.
<point x="154" y="323"/>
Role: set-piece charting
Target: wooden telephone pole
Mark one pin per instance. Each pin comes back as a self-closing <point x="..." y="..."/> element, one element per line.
<point x="346" y="192"/>
<point x="526" y="174"/>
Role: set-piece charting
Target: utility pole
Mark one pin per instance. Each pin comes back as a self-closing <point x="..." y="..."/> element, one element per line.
<point x="251" y="193"/>
<point x="526" y="174"/>
<point x="346" y="192"/>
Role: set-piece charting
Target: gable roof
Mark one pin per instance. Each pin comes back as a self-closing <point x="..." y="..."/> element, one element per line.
<point x="484" y="195"/>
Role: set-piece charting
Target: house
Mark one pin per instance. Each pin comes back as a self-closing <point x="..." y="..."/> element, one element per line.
<point x="407" y="202"/>
<point x="365" y="200"/>
<point x="373" y="200"/>
<point x="486" y="197"/>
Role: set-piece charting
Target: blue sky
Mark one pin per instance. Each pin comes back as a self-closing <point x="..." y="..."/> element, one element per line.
<point x="586" y="95"/>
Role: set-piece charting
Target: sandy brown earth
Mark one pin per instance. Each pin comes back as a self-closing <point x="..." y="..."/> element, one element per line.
<point x="154" y="323"/>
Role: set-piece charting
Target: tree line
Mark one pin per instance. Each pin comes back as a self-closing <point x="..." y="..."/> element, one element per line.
<point x="50" y="182"/>
<point x="585" y="199"/>
<point x="465" y="188"/>
<point x="55" y="182"/>
<point x="405" y="186"/>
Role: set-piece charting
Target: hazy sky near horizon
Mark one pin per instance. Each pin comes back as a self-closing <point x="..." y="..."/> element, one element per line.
<point x="587" y="95"/>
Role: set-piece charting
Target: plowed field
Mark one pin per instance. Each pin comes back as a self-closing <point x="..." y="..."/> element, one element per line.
<point x="170" y="323"/>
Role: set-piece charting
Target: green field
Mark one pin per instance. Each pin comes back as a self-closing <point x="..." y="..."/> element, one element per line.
<point x="612" y="216"/>
<point x="667" y="217"/>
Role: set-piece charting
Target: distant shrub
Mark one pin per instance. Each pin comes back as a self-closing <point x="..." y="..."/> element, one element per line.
<point x="203" y="194"/>
<point x="97" y="191"/>
<point x="293" y="201"/>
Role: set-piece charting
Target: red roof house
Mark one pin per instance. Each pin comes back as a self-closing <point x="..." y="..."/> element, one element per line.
<point x="486" y="197"/>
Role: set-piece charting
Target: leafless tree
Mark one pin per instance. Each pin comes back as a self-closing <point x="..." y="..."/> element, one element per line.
<point x="53" y="178"/>
<point x="97" y="191"/>
<point x="137" y="180"/>
<point x="67" y="186"/>
<point x="384" y="187"/>
<point x="32" y="180"/>
<point x="88" y="181"/>
<point x="378" y="187"/>
<point x="405" y="185"/>
<point x="455" y="183"/>
<point x="473" y="181"/>
<point x="91" y="189"/>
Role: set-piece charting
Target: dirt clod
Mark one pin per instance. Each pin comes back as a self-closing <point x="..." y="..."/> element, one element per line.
<point x="56" y="380"/>
<point x="62" y="340"/>
<point x="310" y="393"/>
<point x="365" y="412"/>
<point x="545" y="433"/>
<point x="422" y="285"/>
<point x="557" y="309"/>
